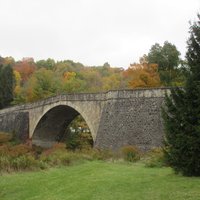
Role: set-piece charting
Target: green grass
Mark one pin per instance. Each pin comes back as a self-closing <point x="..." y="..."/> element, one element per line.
<point x="97" y="180"/>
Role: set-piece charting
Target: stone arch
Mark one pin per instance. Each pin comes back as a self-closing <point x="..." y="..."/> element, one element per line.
<point x="53" y="122"/>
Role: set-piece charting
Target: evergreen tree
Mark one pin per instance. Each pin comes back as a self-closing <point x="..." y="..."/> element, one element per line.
<point x="6" y="85"/>
<point x="182" y="114"/>
<point x="1" y="86"/>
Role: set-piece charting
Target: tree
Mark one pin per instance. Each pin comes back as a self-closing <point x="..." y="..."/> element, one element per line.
<point x="142" y="75"/>
<point x="93" y="79"/>
<point x="18" y="90"/>
<point x="7" y="82"/>
<point x="42" y="84"/>
<point x="48" y="64"/>
<point x="111" y="82"/>
<point x="155" y="55"/>
<point x="78" y="135"/>
<point x="71" y="83"/>
<point x="167" y="58"/>
<point x="182" y="114"/>
<point x="26" y="68"/>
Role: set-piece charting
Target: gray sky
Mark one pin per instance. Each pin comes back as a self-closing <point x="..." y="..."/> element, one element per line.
<point x="93" y="31"/>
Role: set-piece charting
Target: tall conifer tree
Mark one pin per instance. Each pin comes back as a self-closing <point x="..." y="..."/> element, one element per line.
<point x="7" y="82"/>
<point x="182" y="114"/>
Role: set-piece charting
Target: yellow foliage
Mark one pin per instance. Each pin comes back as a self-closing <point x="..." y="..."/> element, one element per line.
<point x="69" y="75"/>
<point x="18" y="79"/>
<point x="17" y="90"/>
<point x="111" y="82"/>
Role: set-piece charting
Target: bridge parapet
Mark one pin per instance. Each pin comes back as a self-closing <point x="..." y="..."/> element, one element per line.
<point x="113" y="94"/>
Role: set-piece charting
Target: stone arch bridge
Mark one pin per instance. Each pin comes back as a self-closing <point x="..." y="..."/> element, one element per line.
<point x="115" y="118"/>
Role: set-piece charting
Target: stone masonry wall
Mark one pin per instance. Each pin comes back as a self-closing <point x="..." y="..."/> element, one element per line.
<point x="15" y="123"/>
<point x="132" y="118"/>
<point x="116" y="118"/>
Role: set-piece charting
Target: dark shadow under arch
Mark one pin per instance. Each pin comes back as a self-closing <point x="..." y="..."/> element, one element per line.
<point x="52" y="126"/>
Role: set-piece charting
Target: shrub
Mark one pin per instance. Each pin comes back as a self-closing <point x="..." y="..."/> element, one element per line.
<point x="130" y="153"/>
<point x="5" y="163"/>
<point x="5" y="137"/>
<point x="23" y="162"/>
<point x="58" y="155"/>
<point x="4" y="149"/>
<point x="37" y="150"/>
<point x="102" y="154"/>
<point x="155" y="158"/>
<point x="56" y="158"/>
<point x="79" y="140"/>
<point x="60" y="146"/>
<point x="96" y="154"/>
<point x="20" y="150"/>
<point x="18" y="157"/>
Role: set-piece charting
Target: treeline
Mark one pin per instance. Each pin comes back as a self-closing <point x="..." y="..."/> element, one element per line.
<point x="28" y="80"/>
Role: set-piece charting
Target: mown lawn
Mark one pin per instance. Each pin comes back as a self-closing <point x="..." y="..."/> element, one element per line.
<point x="99" y="180"/>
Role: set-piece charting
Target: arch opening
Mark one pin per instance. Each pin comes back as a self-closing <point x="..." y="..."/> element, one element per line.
<point x="60" y="124"/>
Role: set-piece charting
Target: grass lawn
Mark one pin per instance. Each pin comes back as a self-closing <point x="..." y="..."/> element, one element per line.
<point x="99" y="180"/>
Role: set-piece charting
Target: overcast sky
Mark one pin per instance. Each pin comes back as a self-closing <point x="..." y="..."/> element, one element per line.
<point x="93" y="31"/>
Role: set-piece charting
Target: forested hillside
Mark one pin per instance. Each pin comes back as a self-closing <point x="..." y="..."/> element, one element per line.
<point x="27" y="80"/>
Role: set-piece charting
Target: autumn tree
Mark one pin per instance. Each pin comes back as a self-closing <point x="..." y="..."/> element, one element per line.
<point x="18" y="97"/>
<point x="26" y="67"/>
<point x="72" y="83"/>
<point x="8" y="61"/>
<point x="142" y="75"/>
<point x="93" y="79"/>
<point x="69" y="66"/>
<point x="113" y="82"/>
<point x="42" y="84"/>
<point x="182" y="114"/>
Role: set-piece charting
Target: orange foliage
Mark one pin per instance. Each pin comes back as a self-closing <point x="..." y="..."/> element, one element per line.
<point x="15" y="151"/>
<point x="69" y="75"/>
<point x="25" y="68"/>
<point x="142" y="75"/>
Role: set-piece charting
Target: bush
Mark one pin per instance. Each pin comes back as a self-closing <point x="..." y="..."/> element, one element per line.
<point x="99" y="154"/>
<point x="37" y="150"/>
<point x="5" y="163"/>
<point x="56" y="158"/>
<point x="17" y="158"/>
<point x="25" y="162"/>
<point x="79" y="141"/>
<point x="130" y="153"/>
<point x="23" y="157"/>
<point x="155" y="158"/>
<point x="58" y="155"/>
<point x="15" y="151"/>
<point x="60" y="146"/>
<point x="20" y="150"/>
<point x="5" y="137"/>
<point x="4" y="149"/>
